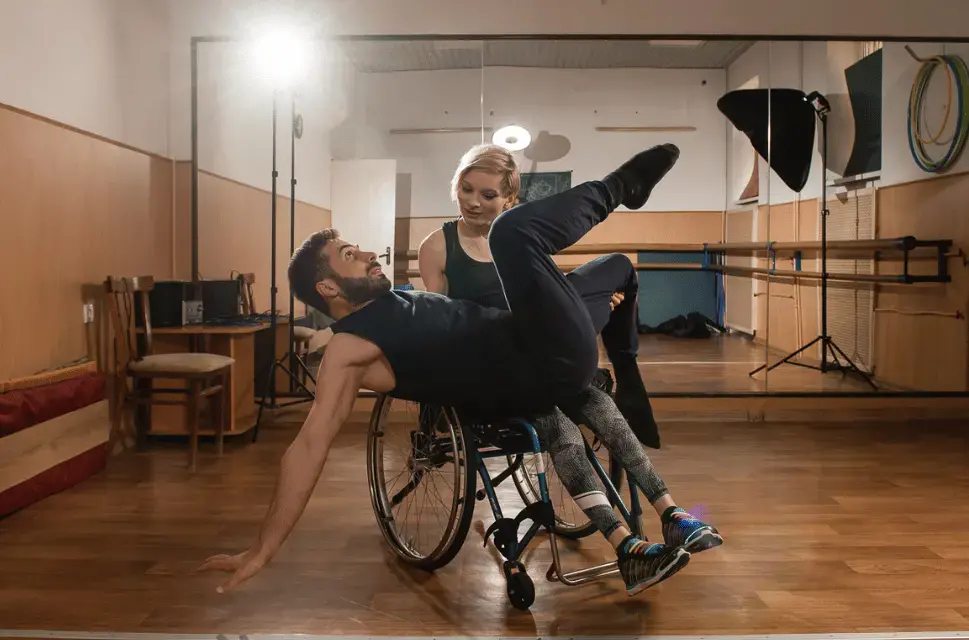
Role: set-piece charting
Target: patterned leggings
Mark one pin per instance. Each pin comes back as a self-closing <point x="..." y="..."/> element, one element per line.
<point x="563" y="440"/>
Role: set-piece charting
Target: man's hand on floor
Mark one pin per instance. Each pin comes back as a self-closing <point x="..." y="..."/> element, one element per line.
<point x="242" y="566"/>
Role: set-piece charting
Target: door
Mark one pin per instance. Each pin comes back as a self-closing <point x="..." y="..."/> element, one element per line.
<point x="363" y="200"/>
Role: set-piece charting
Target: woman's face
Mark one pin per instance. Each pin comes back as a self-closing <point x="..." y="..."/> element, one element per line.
<point x="480" y="199"/>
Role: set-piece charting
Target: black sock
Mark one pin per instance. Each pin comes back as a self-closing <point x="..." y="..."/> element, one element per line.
<point x="633" y="402"/>
<point x="615" y="188"/>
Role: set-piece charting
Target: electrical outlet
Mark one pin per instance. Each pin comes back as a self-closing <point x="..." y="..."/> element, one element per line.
<point x="88" y="312"/>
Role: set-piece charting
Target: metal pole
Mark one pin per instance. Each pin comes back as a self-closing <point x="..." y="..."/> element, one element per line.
<point x="195" y="162"/>
<point x="272" y="276"/>
<point x="292" y="237"/>
<point x="824" y="243"/>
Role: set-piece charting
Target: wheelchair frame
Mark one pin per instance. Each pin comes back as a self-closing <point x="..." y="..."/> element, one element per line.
<point x="479" y="443"/>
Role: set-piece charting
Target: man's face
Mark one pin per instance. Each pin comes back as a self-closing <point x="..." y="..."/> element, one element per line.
<point x="358" y="279"/>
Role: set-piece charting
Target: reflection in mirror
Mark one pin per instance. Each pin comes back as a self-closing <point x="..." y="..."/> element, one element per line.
<point x="729" y="245"/>
<point x="885" y="318"/>
<point x="590" y="105"/>
<point x="416" y="110"/>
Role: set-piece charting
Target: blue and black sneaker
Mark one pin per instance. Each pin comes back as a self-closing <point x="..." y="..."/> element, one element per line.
<point x="680" y="529"/>
<point x="643" y="564"/>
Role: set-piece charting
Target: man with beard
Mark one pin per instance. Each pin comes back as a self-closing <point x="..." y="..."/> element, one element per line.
<point x="489" y="363"/>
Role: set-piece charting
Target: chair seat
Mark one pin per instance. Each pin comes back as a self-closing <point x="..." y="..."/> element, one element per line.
<point x="181" y="363"/>
<point x="303" y="333"/>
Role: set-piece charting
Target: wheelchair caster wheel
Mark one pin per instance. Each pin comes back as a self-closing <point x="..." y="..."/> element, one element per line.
<point x="521" y="590"/>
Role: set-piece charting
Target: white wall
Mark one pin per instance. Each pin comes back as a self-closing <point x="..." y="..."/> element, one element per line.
<point x="425" y="162"/>
<point x="98" y="65"/>
<point x="565" y="104"/>
<point x="899" y="72"/>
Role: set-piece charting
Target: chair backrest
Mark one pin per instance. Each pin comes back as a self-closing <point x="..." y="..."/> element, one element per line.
<point x="121" y="304"/>
<point x="248" y="300"/>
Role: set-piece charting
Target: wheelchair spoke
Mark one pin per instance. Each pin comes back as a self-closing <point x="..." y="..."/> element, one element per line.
<point x="417" y="516"/>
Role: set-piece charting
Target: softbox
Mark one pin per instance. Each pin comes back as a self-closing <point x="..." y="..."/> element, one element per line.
<point x="791" y="120"/>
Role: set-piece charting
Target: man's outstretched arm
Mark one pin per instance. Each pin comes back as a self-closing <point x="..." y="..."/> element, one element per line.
<point x="343" y="368"/>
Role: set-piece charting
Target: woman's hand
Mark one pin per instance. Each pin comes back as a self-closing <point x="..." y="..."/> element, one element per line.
<point x="242" y="566"/>
<point x="617" y="297"/>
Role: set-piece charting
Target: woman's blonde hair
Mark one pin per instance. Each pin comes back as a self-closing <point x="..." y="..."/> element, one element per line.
<point x="493" y="159"/>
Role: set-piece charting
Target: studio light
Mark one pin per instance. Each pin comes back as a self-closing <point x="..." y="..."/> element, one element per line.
<point x="281" y="57"/>
<point x="512" y="137"/>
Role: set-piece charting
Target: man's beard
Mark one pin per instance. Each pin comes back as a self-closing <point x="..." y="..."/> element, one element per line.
<point x="358" y="291"/>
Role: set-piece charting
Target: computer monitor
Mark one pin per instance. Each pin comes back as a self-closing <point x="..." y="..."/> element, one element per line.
<point x="221" y="299"/>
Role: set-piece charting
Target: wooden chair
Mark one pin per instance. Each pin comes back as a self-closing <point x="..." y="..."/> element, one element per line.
<point x="204" y="374"/>
<point x="301" y="335"/>
<point x="248" y="299"/>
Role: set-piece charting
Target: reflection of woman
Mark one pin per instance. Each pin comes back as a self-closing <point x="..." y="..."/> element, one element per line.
<point x="456" y="260"/>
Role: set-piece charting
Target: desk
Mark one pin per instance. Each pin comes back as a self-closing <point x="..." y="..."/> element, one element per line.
<point x="235" y="341"/>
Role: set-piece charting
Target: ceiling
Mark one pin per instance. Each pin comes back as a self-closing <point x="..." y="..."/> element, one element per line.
<point x="414" y="55"/>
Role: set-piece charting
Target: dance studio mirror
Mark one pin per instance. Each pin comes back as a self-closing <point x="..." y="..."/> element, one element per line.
<point x="728" y="249"/>
<point x="890" y="317"/>
<point x="588" y="105"/>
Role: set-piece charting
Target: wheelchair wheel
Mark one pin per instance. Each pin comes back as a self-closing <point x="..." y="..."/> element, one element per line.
<point x="422" y="480"/>
<point x="570" y="521"/>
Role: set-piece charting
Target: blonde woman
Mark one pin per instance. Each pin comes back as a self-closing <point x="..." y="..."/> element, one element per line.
<point x="456" y="261"/>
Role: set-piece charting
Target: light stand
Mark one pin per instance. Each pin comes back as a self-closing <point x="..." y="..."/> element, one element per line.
<point x="270" y="397"/>
<point x="821" y="108"/>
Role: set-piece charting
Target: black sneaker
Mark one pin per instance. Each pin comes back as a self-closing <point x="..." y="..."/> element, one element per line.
<point x="641" y="173"/>
<point x="643" y="564"/>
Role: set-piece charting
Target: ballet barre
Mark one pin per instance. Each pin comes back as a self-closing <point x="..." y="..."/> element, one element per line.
<point x="713" y="254"/>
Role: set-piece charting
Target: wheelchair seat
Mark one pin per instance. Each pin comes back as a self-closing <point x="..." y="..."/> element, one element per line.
<point x="510" y="436"/>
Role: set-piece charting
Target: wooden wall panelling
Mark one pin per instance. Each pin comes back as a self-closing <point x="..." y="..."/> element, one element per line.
<point x="235" y="232"/>
<point x="739" y="289"/>
<point x="672" y="227"/>
<point x="75" y="207"/>
<point x="791" y="305"/>
<point x="914" y="348"/>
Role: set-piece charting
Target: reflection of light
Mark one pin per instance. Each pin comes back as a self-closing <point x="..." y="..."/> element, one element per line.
<point x="513" y="138"/>
<point x="281" y="56"/>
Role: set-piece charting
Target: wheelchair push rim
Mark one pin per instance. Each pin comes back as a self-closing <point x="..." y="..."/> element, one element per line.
<point x="421" y="479"/>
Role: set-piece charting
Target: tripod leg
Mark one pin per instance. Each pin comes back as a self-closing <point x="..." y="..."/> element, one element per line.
<point x="786" y="358"/>
<point x="293" y="378"/>
<point x="270" y="379"/>
<point x="306" y="369"/>
<point x="828" y="348"/>
<point x="851" y="365"/>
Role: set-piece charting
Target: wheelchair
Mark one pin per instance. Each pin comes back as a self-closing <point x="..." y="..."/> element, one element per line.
<point x="439" y="453"/>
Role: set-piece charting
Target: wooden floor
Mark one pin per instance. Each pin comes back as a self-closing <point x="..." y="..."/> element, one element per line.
<point x="722" y="364"/>
<point x="828" y="528"/>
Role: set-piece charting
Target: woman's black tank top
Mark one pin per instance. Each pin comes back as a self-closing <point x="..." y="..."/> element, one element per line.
<point x="467" y="278"/>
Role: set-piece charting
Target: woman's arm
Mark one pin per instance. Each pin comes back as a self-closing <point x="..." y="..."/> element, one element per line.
<point x="431" y="258"/>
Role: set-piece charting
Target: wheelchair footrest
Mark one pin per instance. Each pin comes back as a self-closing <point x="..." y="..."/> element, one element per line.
<point x="506" y="529"/>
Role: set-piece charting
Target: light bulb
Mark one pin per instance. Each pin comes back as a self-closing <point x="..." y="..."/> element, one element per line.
<point x="512" y="137"/>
